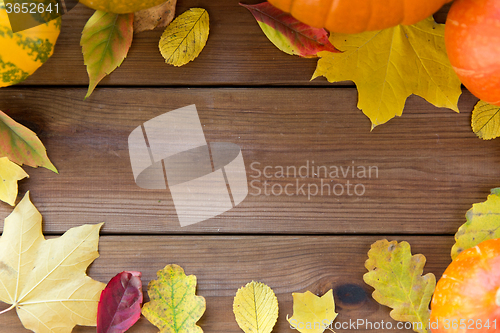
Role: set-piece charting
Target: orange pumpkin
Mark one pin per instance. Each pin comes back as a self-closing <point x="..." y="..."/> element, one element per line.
<point x="467" y="297"/>
<point x="473" y="45"/>
<point x="354" y="16"/>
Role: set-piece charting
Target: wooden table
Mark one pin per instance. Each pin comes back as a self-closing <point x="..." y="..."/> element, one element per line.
<point x="431" y="169"/>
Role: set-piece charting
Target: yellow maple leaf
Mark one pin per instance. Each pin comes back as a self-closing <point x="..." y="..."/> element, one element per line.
<point x="256" y="308"/>
<point x="45" y="280"/>
<point x="10" y="173"/>
<point x="389" y="65"/>
<point x="174" y="306"/>
<point x="184" y="38"/>
<point x="311" y="313"/>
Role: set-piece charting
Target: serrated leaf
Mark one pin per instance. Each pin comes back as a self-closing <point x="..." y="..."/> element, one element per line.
<point x="106" y="39"/>
<point x="120" y="303"/>
<point x="45" y="280"/>
<point x="184" y="38"/>
<point x="288" y="34"/>
<point x="397" y="278"/>
<point x="156" y="17"/>
<point x="389" y="65"/>
<point x="10" y="173"/>
<point x="311" y="313"/>
<point x="174" y="306"/>
<point x="483" y="223"/>
<point x="486" y="120"/>
<point x="21" y="145"/>
<point x="255" y="307"/>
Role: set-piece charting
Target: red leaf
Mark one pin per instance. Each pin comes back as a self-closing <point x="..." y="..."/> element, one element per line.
<point x="289" y="34"/>
<point x="120" y="304"/>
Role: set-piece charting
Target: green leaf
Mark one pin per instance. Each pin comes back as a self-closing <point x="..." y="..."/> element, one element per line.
<point x="389" y="65"/>
<point x="397" y="278"/>
<point x="255" y="307"/>
<point x="483" y="223"/>
<point x="184" y="38"/>
<point x="21" y="145"/>
<point x="174" y="307"/>
<point x="486" y="120"/>
<point x="106" y="39"/>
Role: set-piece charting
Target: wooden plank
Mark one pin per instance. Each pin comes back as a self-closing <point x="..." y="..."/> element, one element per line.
<point x="237" y="53"/>
<point x="431" y="167"/>
<point x="287" y="264"/>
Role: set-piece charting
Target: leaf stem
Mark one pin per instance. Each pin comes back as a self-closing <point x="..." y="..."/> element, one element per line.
<point x="7" y="310"/>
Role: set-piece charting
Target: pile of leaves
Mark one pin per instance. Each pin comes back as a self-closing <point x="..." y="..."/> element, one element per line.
<point x="387" y="66"/>
<point x="107" y="37"/>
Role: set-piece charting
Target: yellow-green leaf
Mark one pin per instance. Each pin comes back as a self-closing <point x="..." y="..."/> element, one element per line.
<point x="45" y="280"/>
<point x="106" y="39"/>
<point x="10" y="173"/>
<point x="397" y="278"/>
<point x="21" y="145"/>
<point x="483" y="223"/>
<point x="486" y="120"/>
<point x="389" y="65"/>
<point x="174" y="306"/>
<point x="255" y="307"/>
<point x="311" y="313"/>
<point x="184" y="38"/>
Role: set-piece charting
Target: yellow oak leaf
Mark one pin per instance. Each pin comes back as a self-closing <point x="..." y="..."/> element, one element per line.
<point x="311" y="313"/>
<point x="486" y="120"/>
<point x="397" y="278"/>
<point x="389" y="65"/>
<point x="256" y="308"/>
<point x="45" y="280"/>
<point x="184" y="38"/>
<point x="10" y="173"/>
<point x="174" y="306"/>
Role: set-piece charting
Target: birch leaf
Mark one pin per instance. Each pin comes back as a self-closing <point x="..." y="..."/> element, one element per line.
<point x="397" y="278"/>
<point x="156" y="17"/>
<point x="486" y="120"/>
<point x="310" y="309"/>
<point x="21" y="145"/>
<point x="483" y="223"/>
<point x="389" y="65"/>
<point x="106" y="39"/>
<point x="185" y="37"/>
<point x="45" y="280"/>
<point x="289" y="34"/>
<point x="256" y="308"/>
<point x="174" y="306"/>
<point x="10" y="173"/>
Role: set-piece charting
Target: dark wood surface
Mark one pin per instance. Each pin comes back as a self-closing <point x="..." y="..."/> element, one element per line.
<point x="431" y="169"/>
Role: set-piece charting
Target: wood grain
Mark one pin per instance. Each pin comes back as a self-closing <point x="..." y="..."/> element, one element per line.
<point x="431" y="167"/>
<point x="286" y="263"/>
<point x="237" y="53"/>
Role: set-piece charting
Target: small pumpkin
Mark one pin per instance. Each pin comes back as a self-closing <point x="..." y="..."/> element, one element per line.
<point x="355" y="16"/>
<point x="472" y="38"/>
<point x="121" y="6"/>
<point x="467" y="297"/>
<point x="22" y="53"/>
